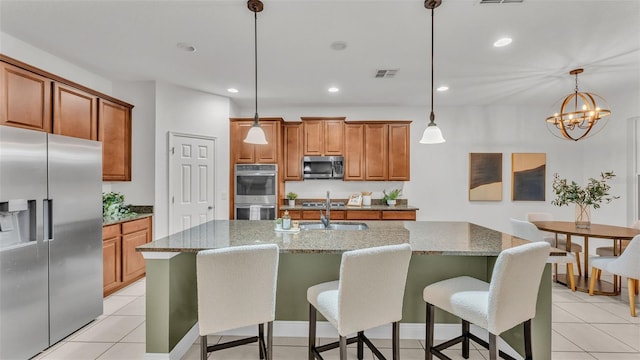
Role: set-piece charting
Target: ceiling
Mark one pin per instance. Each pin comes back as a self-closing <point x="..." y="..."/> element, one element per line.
<point x="136" y="40"/>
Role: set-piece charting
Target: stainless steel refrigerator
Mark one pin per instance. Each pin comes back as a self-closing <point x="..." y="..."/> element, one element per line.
<point x="50" y="238"/>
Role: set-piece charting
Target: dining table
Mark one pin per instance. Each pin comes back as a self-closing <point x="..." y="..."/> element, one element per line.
<point x="600" y="231"/>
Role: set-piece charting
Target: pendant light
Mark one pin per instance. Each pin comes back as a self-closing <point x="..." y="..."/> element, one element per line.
<point x="255" y="134"/>
<point x="432" y="134"/>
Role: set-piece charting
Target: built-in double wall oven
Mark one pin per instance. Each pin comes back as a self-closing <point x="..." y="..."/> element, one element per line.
<point x="256" y="194"/>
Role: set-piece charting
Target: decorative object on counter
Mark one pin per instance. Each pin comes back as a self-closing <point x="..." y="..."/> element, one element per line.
<point x="355" y="200"/>
<point x="113" y="206"/>
<point x="278" y="223"/>
<point x="391" y="197"/>
<point x="593" y="194"/>
<point x="292" y="198"/>
<point x="286" y="221"/>
<point x="432" y="134"/>
<point x="579" y="113"/>
<point x="366" y="198"/>
<point x="528" y="172"/>
<point x="255" y="134"/>
<point x="485" y="176"/>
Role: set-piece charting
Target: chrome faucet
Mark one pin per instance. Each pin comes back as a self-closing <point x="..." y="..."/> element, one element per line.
<point x="327" y="212"/>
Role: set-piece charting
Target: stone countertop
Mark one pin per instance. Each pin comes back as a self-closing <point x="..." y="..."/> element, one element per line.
<point x="342" y="208"/>
<point x="425" y="237"/>
<point x="112" y="221"/>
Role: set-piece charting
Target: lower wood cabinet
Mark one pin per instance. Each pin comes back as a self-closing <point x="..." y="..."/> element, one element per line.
<point x="353" y="214"/>
<point x="122" y="265"/>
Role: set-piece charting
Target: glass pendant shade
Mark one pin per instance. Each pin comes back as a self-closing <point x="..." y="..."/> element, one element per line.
<point x="256" y="135"/>
<point x="432" y="135"/>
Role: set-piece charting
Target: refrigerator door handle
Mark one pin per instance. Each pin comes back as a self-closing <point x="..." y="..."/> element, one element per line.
<point x="48" y="219"/>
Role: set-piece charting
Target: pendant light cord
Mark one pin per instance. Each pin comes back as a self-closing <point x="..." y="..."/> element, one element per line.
<point x="255" y="62"/>
<point x="432" y="115"/>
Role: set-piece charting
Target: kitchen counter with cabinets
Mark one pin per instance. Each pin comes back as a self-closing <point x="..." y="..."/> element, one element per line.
<point x="440" y="250"/>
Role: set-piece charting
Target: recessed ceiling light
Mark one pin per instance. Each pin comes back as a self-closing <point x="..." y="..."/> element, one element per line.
<point x="338" y="45"/>
<point x="232" y="90"/>
<point x="333" y="89"/>
<point x="442" y="88"/>
<point x="502" y="42"/>
<point x="186" y="47"/>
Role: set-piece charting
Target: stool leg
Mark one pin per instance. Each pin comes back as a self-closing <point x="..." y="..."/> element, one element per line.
<point x="312" y="331"/>
<point x="360" y="345"/>
<point x="527" y="340"/>
<point x="270" y="340"/>
<point x="465" y="339"/>
<point x="592" y="282"/>
<point x="203" y="347"/>
<point x="429" y="333"/>
<point x="343" y="347"/>
<point x="571" y="278"/>
<point x="395" y="336"/>
<point x="260" y="340"/>
<point x="493" y="347"/>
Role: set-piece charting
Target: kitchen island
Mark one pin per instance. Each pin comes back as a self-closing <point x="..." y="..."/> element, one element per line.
<point x="440" y="250"/>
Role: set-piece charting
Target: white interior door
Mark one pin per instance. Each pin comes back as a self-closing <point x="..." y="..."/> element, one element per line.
<point x="191" y="181"/>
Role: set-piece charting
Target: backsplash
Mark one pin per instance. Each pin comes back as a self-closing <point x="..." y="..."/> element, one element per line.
<point x="317" y="189"/>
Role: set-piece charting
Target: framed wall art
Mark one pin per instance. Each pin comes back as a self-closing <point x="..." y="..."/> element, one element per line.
<point x="528" y="176"/>
<point x="485" y="176"/>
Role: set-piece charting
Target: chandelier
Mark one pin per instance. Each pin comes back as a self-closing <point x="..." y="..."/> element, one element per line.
<point x="579" y="114"/>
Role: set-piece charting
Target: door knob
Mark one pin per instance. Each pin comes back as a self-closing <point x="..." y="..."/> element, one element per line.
<point x="210" y="207"/>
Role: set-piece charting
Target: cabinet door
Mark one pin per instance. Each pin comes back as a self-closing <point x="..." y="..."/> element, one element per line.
<point x="268" y="154"/>
<point x="115" y="133"/>
<point x="333" y="137"/>
<point x="375" y="149"/>
<point x="399" y="150"/>
<point x="399" y="215"/>
<point x="313" y="137"/>
<point x="243" y="153"/>
<point x="292" y="139"/>
<point x="354" y="152"/>
<point x="25" y="99"/>
<point x="363" y="215"/>
<point x="75" y="112"/>
<point x="111" y="255"/>
<point x="133" y="264"/>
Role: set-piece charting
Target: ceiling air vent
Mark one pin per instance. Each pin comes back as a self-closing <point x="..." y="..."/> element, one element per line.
<point x="386" y="74"/>
<point x="500" y="1"/>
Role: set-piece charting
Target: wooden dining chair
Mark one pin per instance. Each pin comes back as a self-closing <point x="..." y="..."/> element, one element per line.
<point x="556" y="240"/>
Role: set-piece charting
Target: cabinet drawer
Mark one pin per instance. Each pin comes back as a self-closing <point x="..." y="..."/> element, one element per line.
<point x="399" y="215"/>
<point x="135" y="225"/>
<point x="338" y="215"/>
<point x="110" y="231"/>
<point x="363" y="215"/>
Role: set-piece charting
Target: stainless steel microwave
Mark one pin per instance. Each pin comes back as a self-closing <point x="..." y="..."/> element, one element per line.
<point x="322" y="167"/>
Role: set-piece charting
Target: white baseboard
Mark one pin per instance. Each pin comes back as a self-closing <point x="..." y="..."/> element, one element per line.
<point x="410" y="331"/>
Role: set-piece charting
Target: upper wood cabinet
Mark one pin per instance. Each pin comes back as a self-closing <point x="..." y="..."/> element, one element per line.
<point x="399" y="152"/>
<point x="243" y="153"/>
<point x="25" y="99"/>
<point x="115" y="134"/>
<point x="292" y="141"/>
<point x="377" y="151"/>
<point x="323" y="136"/>
<point x="75" y="112"/>
<point x="354" y="161"/>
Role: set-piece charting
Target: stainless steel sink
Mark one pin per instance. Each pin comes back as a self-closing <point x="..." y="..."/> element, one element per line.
<point x="334" y="226"/>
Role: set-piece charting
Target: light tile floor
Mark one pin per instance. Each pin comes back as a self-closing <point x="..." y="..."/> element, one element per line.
<point x="584" y="327"/>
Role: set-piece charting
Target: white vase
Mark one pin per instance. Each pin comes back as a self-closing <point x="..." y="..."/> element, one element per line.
<point x="292" y="202"/>
<point x="391" y="202"/>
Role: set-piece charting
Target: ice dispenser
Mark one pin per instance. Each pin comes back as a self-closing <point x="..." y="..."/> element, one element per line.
<point x="17" y="222"/>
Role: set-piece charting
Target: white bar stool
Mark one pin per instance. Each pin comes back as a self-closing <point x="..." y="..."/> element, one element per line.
<point x="237" y="288"/>
<point x="508" y="300"/>
<point x="368" y="294"/>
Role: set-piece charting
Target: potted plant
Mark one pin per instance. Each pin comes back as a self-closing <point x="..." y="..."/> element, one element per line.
<point x="278" y="223"/>
<point x="292" y="198"/>
<point x="113" y="206"/>
<point x="391" y="196"/>
<point x="593" y="194"/>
